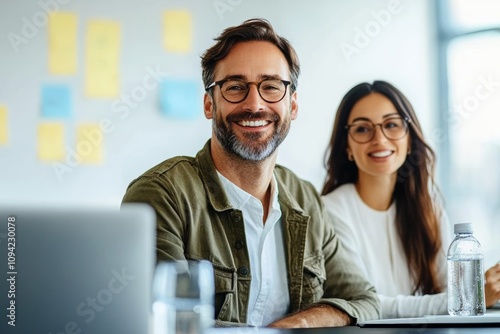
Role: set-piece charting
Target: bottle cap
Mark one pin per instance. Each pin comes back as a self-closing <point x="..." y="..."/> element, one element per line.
<point x="463" y="228"/>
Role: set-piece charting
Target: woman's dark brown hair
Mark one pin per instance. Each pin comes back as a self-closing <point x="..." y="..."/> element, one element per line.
<point x="250" y="30"/>
<point x="417" y="217"/>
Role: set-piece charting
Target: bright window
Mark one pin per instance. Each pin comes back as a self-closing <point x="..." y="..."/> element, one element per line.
<point x="470" y="47"/>
<point x="475" y="14"/>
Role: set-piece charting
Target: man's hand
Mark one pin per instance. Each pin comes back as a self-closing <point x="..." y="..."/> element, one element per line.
<point x="492" y="285"/>
<point x="320" y="315"/>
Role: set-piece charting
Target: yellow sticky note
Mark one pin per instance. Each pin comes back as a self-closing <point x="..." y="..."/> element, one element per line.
<point x="177" y="31"/>
<point x="101" y="84"/>
<point x="89" y="143"/>
<point x="3" y="125"/>
<point x="102" y="55"/>
<point x="62" y="43"/>
<point x="51" y="141"/>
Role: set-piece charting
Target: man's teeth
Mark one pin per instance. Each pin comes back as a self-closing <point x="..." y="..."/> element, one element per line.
<point x="381" y="154"/>
<point x="253" y="123"/>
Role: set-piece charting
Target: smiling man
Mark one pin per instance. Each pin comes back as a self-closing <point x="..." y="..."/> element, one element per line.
<point x="277" y="262"/>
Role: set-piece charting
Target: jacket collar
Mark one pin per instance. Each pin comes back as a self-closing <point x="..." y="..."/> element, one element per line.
<point x="213" y="187"/>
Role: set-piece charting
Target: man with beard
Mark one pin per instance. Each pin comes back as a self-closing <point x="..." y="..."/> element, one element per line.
<point x="276" y="259"/>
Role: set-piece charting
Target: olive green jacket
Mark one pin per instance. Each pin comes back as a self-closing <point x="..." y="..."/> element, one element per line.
<point x="195" y="220"/>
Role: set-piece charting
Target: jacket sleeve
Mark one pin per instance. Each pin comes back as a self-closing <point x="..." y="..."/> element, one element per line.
<point x="169" y="226"/>
<point x="346" y="287"/>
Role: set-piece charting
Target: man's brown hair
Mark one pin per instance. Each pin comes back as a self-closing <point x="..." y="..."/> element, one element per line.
<point x="250" y="30"/>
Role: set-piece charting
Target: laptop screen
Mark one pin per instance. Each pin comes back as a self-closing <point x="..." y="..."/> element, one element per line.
<point x="79" y="270"/>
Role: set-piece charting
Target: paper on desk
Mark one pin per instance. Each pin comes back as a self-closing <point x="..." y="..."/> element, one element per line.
<point x="242" y="330"/>
<point x="491" y="316"/>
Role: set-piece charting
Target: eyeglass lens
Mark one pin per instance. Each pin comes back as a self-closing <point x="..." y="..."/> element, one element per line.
<point x="270" y="90"/>
<point x="364" y="131"/>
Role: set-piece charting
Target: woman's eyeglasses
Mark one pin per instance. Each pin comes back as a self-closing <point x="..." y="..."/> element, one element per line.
<point x="393" y="128"/>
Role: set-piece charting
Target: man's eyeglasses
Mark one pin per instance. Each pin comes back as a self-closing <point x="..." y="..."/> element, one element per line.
<point x="393" y="128"/>
<point x="235" y="91"/>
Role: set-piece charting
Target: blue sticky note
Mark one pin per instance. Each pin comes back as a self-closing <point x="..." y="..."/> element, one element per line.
<point x="180" y="99"/>
<point x="56" y="101"/>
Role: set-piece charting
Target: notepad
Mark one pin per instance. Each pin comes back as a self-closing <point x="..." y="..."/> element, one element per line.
<point x="490" y="319"/>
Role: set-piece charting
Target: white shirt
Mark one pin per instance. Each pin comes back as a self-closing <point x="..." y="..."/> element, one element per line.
<point x="372" y="241"/>
<point x="269" y="298"/>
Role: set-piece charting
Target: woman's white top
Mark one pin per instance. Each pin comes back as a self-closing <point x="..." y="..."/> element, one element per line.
<point x="371" y="239"/>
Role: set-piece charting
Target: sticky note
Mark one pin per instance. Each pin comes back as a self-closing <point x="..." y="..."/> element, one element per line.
<point x="56" y="101"/>
<point x="89" y="143"/>
<point x="3" y="125"/>
<point x="177" y="31"/>
<point x="51" y="141"/>
<point x="102" y="53"/>
<point x="62" y="31"/>
<point x="179" y="98"/>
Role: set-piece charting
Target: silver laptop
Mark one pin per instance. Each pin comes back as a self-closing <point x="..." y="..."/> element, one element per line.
<point x="79" y="270"/>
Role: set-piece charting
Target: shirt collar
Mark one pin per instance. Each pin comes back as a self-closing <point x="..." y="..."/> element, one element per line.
<point x="238" y="197"/>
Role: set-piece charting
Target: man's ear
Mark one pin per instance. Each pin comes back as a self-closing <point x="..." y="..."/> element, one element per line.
<point x="294" y="106"/>
<point x="208" y="106"/>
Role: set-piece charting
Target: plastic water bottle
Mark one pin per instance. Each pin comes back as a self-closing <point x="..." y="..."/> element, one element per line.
<point x="465" y="273"/>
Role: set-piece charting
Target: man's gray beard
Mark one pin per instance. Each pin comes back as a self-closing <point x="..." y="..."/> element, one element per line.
<point x="231" y="144"/>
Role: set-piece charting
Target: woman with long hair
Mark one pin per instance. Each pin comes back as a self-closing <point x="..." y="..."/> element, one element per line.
<point x="381" y="194"/>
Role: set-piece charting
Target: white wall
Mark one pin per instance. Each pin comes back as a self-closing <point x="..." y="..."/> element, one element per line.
<point x="399" y="50"/>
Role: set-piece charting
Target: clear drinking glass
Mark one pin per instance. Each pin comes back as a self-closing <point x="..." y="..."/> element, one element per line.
<point x="183" y="293"/>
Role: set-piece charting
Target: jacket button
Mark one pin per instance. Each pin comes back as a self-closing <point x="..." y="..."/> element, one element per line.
<point x="236" y="216"/>
<point x="243" y="271"/>
<point x="239" y="244"/>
